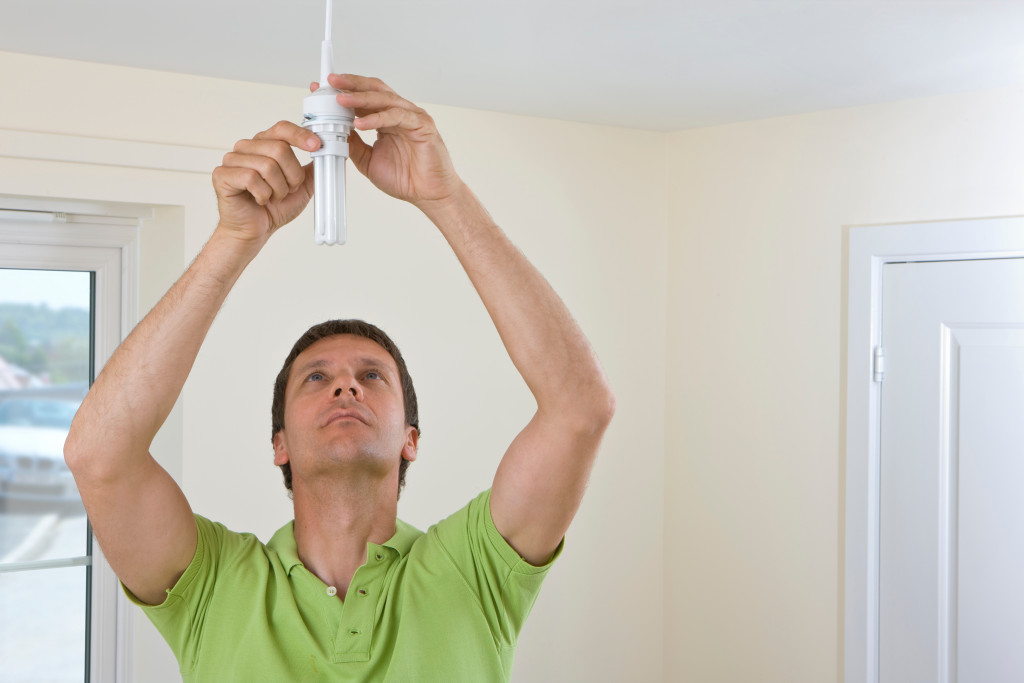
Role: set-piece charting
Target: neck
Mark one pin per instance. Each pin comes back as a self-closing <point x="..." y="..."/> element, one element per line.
<point x="335" y="520"/>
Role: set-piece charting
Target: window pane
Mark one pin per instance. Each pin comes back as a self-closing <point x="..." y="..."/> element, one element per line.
<point x="42" y="625"/>
<point x="45" y="354"/>
<point x="44" y="373"/>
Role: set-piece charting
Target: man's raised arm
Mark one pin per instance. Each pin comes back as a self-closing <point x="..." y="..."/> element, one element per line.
<point x="139" y="515"/>
<point x="540" y="481"/>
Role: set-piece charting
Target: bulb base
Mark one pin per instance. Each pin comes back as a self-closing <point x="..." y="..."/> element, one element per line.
<point x="332" y="123"/>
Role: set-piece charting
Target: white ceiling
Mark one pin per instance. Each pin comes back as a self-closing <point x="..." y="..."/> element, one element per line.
<point x="654" y="64"/>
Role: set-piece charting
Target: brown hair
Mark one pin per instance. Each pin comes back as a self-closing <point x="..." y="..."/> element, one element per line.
<point x="333" y="328"/>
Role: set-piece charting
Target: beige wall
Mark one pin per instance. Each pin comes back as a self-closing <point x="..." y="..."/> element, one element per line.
<point x="707" y="268"/>
<point x="587" y="204"/>
<point x="754" y="462"/>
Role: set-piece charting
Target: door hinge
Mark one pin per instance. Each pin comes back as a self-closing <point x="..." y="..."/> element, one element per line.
<point x="878" y="365"/>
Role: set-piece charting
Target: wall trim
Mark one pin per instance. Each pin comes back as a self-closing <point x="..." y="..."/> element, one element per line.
<point x="20" y="144"/>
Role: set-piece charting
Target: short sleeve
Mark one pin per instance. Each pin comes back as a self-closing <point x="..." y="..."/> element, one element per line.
<point x="179" y="617"/>
<point x="505" y="583"/>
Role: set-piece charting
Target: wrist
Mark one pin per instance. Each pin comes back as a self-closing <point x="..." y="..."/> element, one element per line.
<point x="227" y="253"/>
<point x="458" y="207"/>
<point x="236" y="244"/>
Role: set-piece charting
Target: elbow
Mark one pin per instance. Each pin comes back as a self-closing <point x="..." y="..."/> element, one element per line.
<point x="591" y="419"/>
<point x="80" y="455"/>
<point x="80" y="447"/>
<point x="73" y="449"/>
<point x="584" y="404"/>
<point x="611" y="405"/>
<point x="604" y="409"/>
<point x="591" y="408"/>
<point x="97" y="454"/>
<point x="600" y="397"/>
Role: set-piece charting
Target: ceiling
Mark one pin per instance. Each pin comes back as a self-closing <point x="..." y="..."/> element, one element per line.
<point x="650" y="64"/>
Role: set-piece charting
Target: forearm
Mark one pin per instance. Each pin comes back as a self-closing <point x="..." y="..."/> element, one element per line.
<point x="543" y="340"/>
<point x="136" y="391"/>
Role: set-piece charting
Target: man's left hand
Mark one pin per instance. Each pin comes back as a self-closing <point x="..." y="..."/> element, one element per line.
<point x="409" y="159"/>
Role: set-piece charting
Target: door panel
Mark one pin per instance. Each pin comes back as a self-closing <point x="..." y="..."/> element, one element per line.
<point x="950" y="458"/>
<point x="990" y="557"/>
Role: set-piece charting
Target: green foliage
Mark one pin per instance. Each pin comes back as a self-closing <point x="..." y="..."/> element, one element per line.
<point x="46" y="341"/>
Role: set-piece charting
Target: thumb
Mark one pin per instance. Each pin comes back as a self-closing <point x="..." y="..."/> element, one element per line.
<point x="309" y="183"/>
<point x="359" y="152"/>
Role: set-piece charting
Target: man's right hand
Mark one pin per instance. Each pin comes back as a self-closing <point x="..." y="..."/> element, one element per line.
<point x="261" y="185"/>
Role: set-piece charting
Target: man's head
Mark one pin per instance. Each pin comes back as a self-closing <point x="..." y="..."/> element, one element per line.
<point x="326" y="330"/>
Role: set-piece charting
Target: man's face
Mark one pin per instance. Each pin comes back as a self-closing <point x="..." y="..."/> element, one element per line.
<point x="344" y="412"/>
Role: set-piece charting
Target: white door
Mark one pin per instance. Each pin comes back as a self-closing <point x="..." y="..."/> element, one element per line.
<point x="951" y="517"/>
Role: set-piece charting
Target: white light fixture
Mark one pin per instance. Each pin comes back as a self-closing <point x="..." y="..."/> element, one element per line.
<point x="332" y="123"/>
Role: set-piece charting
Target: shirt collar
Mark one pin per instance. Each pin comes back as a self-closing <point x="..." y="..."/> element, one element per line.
<point x="405" y="536"/>
<point x="283" y="543"/>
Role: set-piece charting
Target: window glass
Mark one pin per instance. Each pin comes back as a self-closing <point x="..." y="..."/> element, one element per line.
<point x="37" y="644"/>
<point x="45" y="371"/>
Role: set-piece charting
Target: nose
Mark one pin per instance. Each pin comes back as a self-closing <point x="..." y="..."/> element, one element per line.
<point x="352" y="387"/>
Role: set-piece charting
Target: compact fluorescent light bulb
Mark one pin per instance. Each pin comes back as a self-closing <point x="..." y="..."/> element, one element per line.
<point x="332" y="123"/>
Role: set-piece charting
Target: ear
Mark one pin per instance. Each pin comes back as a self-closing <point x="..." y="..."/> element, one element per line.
<point x="412" y="440"/>
<point x="280" y="449"/>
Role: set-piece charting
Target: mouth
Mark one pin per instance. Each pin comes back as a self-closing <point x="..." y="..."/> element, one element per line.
<point x="340" y="416"/>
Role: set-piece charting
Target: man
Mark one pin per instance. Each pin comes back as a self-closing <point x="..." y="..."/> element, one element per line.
<point x="346" y="592"/>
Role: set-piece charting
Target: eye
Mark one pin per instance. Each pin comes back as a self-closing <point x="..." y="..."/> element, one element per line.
<point x="316" y="377"/>
<point x="373" y="374"/>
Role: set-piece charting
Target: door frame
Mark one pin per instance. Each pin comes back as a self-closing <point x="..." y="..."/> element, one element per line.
<point x="870" y="248"/>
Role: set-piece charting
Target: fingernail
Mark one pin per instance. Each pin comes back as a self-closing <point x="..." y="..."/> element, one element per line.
<point x="311" y="143"/>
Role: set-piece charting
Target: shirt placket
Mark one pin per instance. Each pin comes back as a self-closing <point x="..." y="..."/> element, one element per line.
<point x="355" y="633"/>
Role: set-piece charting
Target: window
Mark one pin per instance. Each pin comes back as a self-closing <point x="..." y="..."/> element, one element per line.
<point x="66" y="286"/>
<point x="45" y="346"/>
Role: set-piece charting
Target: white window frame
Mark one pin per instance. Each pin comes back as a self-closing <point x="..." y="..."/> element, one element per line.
<point x="104" y="239"/>
<point x="870" y="249"/>
<point x="126" y="179"/>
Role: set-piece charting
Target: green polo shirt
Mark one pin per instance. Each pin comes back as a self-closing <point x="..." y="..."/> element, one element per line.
<point x="444" y="606"/>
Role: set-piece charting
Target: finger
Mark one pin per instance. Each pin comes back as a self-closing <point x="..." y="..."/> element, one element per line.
<point x="314" y="86"/>
<point x="294" y="134"/>
<point x="232" y="181"/>
<point x="351" y="82"/>
<point x="278" y="151"/>
<point x="397" y="119"/>
<point x="267" y="168"/>
<point x="297" y="200"/>
<point x="368" y="102"/>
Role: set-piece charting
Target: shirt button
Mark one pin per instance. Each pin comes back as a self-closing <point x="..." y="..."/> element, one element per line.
<point x="379" y="557"/>
<point x="332" y="591"/>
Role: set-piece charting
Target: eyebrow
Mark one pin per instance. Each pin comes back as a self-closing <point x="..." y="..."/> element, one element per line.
<point x="312" y="365"/>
